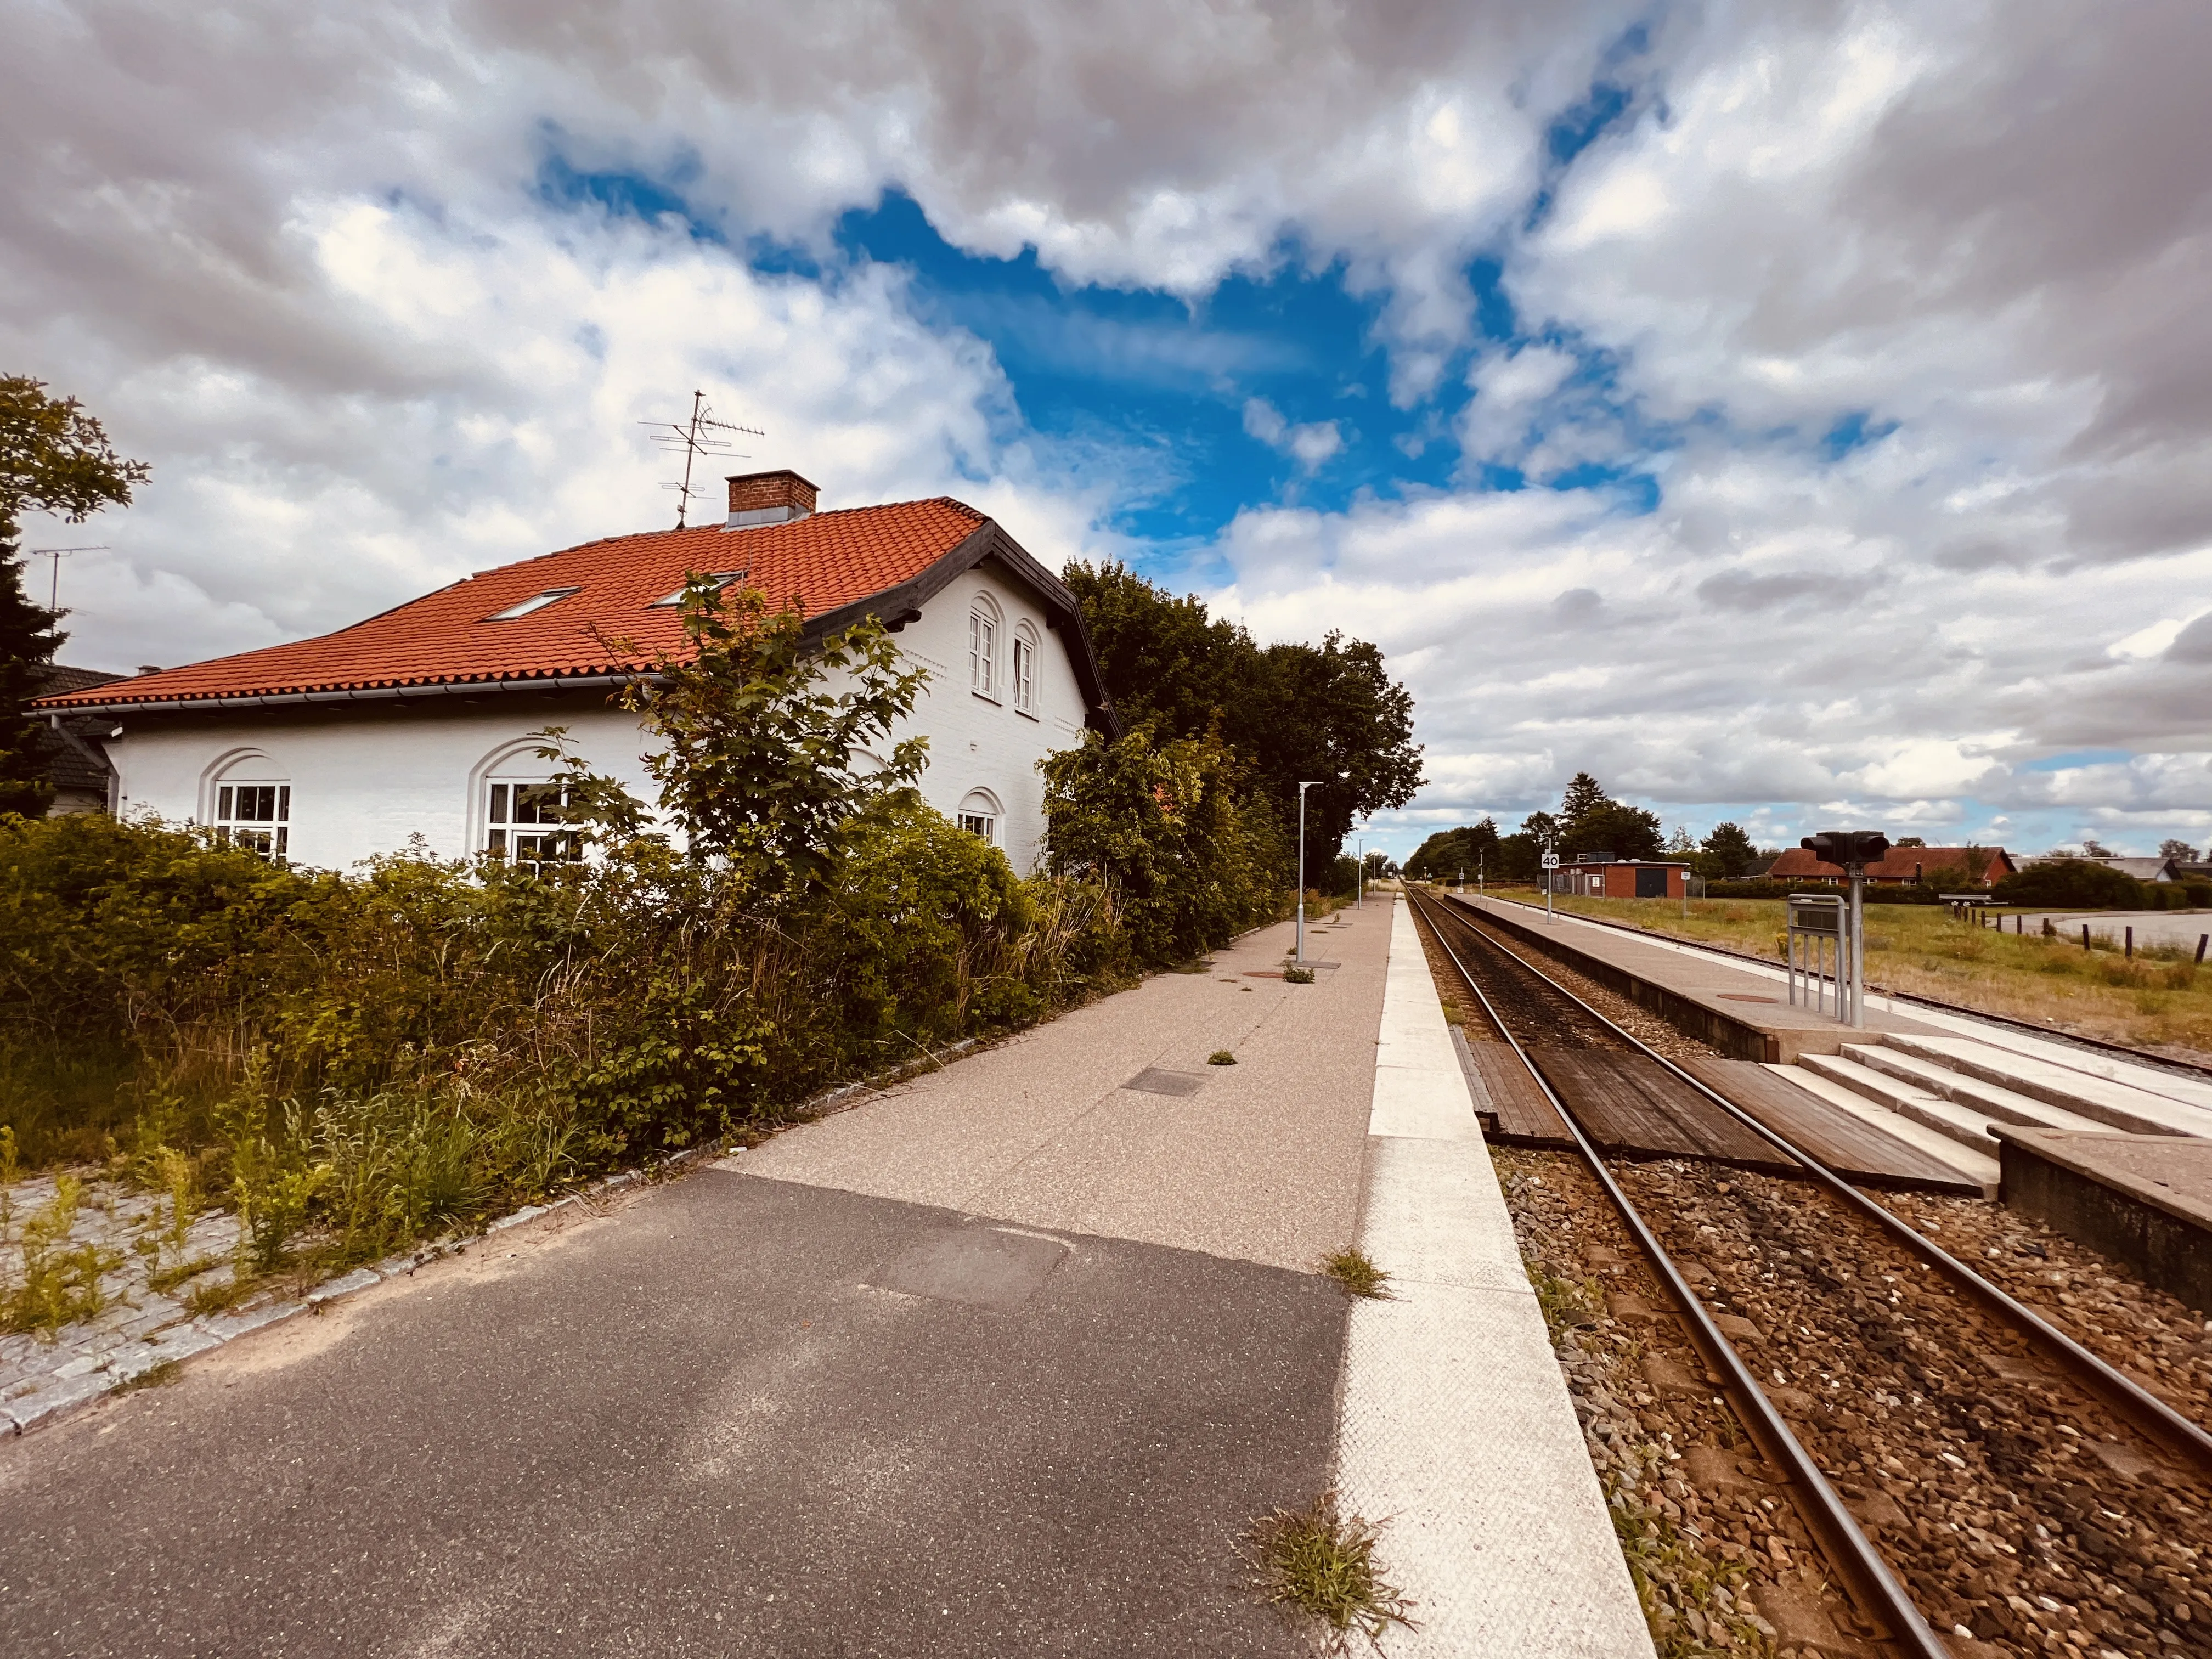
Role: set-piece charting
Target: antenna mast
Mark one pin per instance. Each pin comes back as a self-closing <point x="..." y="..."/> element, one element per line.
<point x="58" y="554"/>
<point x="695" y="438"/>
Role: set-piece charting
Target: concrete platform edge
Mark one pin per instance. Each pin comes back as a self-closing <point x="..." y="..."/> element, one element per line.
<point x="1456" y="1431"/>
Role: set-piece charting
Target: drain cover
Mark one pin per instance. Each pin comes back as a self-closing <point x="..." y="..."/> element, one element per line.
<point x="1154" y="1081"/>
<point x="979" y="1264"/>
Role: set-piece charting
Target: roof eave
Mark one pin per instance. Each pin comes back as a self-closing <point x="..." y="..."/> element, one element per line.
<point x="896" y="605"/>
<point x="345" y="694"/>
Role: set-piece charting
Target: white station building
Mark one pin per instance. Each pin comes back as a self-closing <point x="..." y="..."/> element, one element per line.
<point x="416" y="727"/>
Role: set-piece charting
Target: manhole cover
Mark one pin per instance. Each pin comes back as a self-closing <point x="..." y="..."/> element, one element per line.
<point x="1154" y="1081"/>
<point x="984" y="1266"/>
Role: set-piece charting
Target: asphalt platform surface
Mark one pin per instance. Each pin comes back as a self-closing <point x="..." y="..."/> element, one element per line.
<point x="759" y="1409"/>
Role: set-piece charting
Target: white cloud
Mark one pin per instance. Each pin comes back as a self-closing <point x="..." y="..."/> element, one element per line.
<point x="1308" y="445"/>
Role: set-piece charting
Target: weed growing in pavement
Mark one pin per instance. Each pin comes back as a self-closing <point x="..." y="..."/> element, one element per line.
<point x="218" y="1294"/>
<point x="1221" y="1057"/>
<point x="154" y="1376"/>
<point x="1298" y="976"/>
<point x="162" y="1280"/>
<point x="59" y="1284"/>
<point x="1352" y="1269"/>
<point x="1320" y="1562"/>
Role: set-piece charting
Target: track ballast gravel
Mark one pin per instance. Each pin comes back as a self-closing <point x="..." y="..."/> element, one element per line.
<point x="2021" y="1517"/>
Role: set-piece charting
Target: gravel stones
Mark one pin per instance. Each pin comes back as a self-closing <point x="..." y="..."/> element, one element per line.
<point x="2012" y="1507"/>
<point x="1719" y="1558"/>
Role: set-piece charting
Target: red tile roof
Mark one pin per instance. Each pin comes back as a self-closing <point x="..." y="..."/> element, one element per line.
<point x="1902" y="864"/>
<point x="826" y="562"/>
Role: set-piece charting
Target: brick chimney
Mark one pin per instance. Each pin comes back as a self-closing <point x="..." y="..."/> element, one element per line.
<point x="767" y="498"/>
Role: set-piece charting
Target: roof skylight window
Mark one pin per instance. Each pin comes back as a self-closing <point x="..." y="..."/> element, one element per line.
<point x="718" y="579"/>
<point x="536" y="602"/>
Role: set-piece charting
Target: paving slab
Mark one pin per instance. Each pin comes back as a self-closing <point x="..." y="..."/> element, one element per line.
<point x="1259" y="1160"/>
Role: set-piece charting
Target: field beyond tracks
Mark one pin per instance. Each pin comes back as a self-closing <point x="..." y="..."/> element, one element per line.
<point x="2158" y="1000"/>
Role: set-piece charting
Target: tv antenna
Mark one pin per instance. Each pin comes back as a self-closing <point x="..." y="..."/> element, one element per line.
<point x="58" y="554"/>
<point x="695" y="438"/>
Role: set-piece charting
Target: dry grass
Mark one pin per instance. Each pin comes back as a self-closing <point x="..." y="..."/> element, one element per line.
<point x="2159" y="999"/>
<point x="1359" y="1275"/>
<point x="1322" y="1563"/>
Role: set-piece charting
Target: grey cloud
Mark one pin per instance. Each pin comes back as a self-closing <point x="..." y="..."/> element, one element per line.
<point x="1742" y="591"/>
<point x="2193" y="644"/>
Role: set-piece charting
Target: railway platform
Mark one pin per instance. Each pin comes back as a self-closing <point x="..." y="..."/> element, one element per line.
<point x="1003" y="1360"/>
<point x="1740" y="1012"/>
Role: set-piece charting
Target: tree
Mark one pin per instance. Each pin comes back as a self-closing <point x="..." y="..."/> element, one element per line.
<point x="1159" y="825"/>
<point x="1626" y="832"/>
<point x="1584" y="796"/>
<point x="1729" y="854"/>
<point x="1290" y="713"/>
<point x="54" y="457"/>
<point x="2180" y="851"/>
<point x="2071" y="884"/>
<point x="1472" y="848"/>
<point x="2093" y="848"/>
<point x="763" y="763"/>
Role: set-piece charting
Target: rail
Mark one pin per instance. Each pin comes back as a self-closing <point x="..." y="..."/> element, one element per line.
<point x="1875" y="1586"/>
<point x="2132" y="1403"/>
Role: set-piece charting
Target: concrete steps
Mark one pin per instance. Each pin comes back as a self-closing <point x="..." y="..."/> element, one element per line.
<point x="1991" y="1101"/>
<point x="2103" y="1102"/>
<point x="1977" y="1163"/>
<point x="1963" y="1124"/>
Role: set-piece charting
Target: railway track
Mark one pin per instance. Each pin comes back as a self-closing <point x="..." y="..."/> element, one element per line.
<point x="2089" y="1495"/>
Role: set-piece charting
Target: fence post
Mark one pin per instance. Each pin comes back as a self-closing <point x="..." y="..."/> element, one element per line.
<point x="2085" y="935"/>
<point x="2131" y="944"/>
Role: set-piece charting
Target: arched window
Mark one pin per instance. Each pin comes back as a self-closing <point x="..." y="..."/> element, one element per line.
<point x="983" y="648"/>
<point x="253" y="806"/>
<point x="525" y="813"/>
<point x="1021" y="684"/>
<point x="979" y="813"/>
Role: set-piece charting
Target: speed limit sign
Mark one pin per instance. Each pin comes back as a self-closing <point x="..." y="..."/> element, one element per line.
<point x="1551" y="860"/>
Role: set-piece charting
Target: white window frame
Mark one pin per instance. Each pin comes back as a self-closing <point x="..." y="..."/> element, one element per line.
<point x="535" y="602"/>
<point x="255" y="813"/>
<point x="979" y="814"/>
<point x="983" y="648"/>
<point x="545" y="842"/>
<point x="1022" y="681"/>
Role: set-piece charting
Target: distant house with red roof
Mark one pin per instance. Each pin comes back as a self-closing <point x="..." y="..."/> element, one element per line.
<point x="418" y="722"/>
<point x="1902" y="864"/>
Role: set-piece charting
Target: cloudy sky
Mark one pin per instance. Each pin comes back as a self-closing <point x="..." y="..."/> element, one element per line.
<point x="1792" y="412"/>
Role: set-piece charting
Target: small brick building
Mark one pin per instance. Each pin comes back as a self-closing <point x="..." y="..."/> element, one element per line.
<point x="1600" y="875"/>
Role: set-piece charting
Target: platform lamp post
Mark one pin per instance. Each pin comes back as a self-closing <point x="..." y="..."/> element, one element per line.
<point x="1302" y="787"/>
<point x="1359" y="876"/>
<point x="1853" y="850"/>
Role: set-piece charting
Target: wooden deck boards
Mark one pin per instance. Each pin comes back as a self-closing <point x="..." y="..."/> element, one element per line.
<point x="1633" y="1106"/>
<point x="1856" y="1150"/>
<point x="1518" y="1114"/>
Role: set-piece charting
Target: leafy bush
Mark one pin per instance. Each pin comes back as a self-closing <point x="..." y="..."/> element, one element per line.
<point x="1161" y="829"/>
<point x="355" y="1061"/>
<point x="1907" y="893"/>
<point x="2073" y="884"/>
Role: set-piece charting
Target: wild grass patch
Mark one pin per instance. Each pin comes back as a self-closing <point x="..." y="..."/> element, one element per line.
<point x="1322" y="1563"/>
<point x="1352" y="1268"/>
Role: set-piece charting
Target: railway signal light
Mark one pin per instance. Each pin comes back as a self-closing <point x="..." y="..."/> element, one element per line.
<point x="1847" y="847"/>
